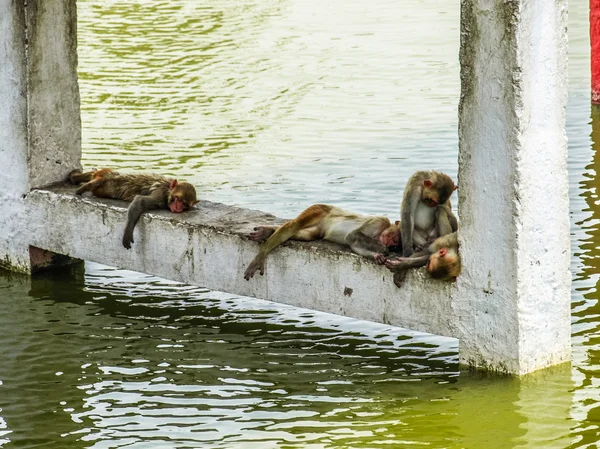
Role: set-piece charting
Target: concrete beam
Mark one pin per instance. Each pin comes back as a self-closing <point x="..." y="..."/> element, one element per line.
<point x="209" y="247"/>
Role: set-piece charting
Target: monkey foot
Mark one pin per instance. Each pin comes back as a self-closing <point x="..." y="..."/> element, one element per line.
<point x="251" y="270"/>
<point x="399" y="278"/>
<point x="261" y="233"/>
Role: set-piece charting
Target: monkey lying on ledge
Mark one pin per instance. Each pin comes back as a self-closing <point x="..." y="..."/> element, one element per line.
<point x="441" y="260"/>
<point x="145" y="191"/>
<point x="365" y="235"/>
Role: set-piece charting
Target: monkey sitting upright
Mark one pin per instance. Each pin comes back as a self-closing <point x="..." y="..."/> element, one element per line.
<point x="365" y="235"/>
<point x="145" y="191"/>
<point x="427" y="194"/>
<point x="441" y="260"/>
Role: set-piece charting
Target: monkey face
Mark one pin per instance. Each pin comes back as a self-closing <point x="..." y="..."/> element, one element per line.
<point x="430" y="195"/>
<point x="444" y="264"/>
<point x="390" y="237"/>
<point x="182" y="196"/>
<point x="177" y="205"/>
<point x="437" y="190"/>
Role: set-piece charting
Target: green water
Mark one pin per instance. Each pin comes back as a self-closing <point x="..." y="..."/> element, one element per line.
<point x="275" y="105"/>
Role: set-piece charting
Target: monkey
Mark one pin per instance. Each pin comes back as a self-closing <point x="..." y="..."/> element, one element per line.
<point x="144" y="191"/>
<point x="369" y="236"/>
<point x="426" y="196"/>
<point x="441" y="260"/>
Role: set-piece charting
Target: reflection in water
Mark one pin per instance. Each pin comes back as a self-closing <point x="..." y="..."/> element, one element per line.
<point x="586" y="309"/>
<point x="119" y="359"/>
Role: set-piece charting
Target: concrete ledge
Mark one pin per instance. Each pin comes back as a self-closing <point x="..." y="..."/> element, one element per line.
<point x="208" y="247"/>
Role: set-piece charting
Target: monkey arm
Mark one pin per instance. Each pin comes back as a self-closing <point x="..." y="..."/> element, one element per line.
<point x="401" y="266"/>
<point x="445" y="221"/>
<point x="156" y="200"/>
<point x="407" y="221"/>
<point x="364" y="245"/>
<point x="415" y="261"/>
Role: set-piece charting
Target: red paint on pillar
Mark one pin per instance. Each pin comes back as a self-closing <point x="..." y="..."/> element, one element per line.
<point x="595" y="44"/>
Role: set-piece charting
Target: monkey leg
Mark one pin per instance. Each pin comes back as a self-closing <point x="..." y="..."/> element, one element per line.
<point x="77" y="177"/>
<point x="282" y="234"/>
<point x="89" y="186"/>
<point x="156" y="200"/>
<point x="304" y="227"/>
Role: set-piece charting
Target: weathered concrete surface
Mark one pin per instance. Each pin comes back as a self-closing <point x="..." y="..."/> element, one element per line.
<point x="54" y="119"/>
<point x="13" y="130"/>
<point x="209" y="247"/>
<point x="40" y="127"/>
<point x="513" y="299"/>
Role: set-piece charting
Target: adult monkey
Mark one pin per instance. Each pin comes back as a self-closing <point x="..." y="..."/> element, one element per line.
<point x="366" y="235"/>
<point x="145" y="191"/>
<point x="441" y="260"/>
<point x="427" y="195"/>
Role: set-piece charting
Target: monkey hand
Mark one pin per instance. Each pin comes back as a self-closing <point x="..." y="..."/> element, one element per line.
<point x="393" y="264"/>
<point x="127" y="240"/>
<point x="379" y="258"/>
<point x="256" y="264"/>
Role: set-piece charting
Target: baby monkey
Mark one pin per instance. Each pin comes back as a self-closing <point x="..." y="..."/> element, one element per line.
<point x="366" y="235"/>
<point x="440" y="258"/>
<point x="144" y="191"/>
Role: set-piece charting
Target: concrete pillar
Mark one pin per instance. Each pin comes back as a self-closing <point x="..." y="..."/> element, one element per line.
<point x="513" y="298"/>
<point x="40" y="125"/>
<point x="595" y="49"/>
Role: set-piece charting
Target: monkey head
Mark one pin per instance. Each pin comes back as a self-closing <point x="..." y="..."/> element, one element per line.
<point x="182" y="196"/>
<point x="390" y="236"/>
<point x="437" y="189"/>
<point x="444" y="264"/>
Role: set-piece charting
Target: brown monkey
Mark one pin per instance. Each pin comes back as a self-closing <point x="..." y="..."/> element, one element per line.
<point x="427" y="194"/>
<point x="145" y="191"/>
<point x="366" y="235"/>
<point x="440" y="258"/>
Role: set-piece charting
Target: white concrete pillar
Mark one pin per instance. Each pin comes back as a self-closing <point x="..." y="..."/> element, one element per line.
<point x="40" y="126"/>
<point x="513" y="299"/>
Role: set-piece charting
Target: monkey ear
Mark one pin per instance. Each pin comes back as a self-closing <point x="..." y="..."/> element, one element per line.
<point x="195" y="202"/>
<point x="397" y="223"/>
<point x="427" y="183"/>
<point x="173" y="184"/>
<point x="443" y="251"/>
<point x="455" y="187"/>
